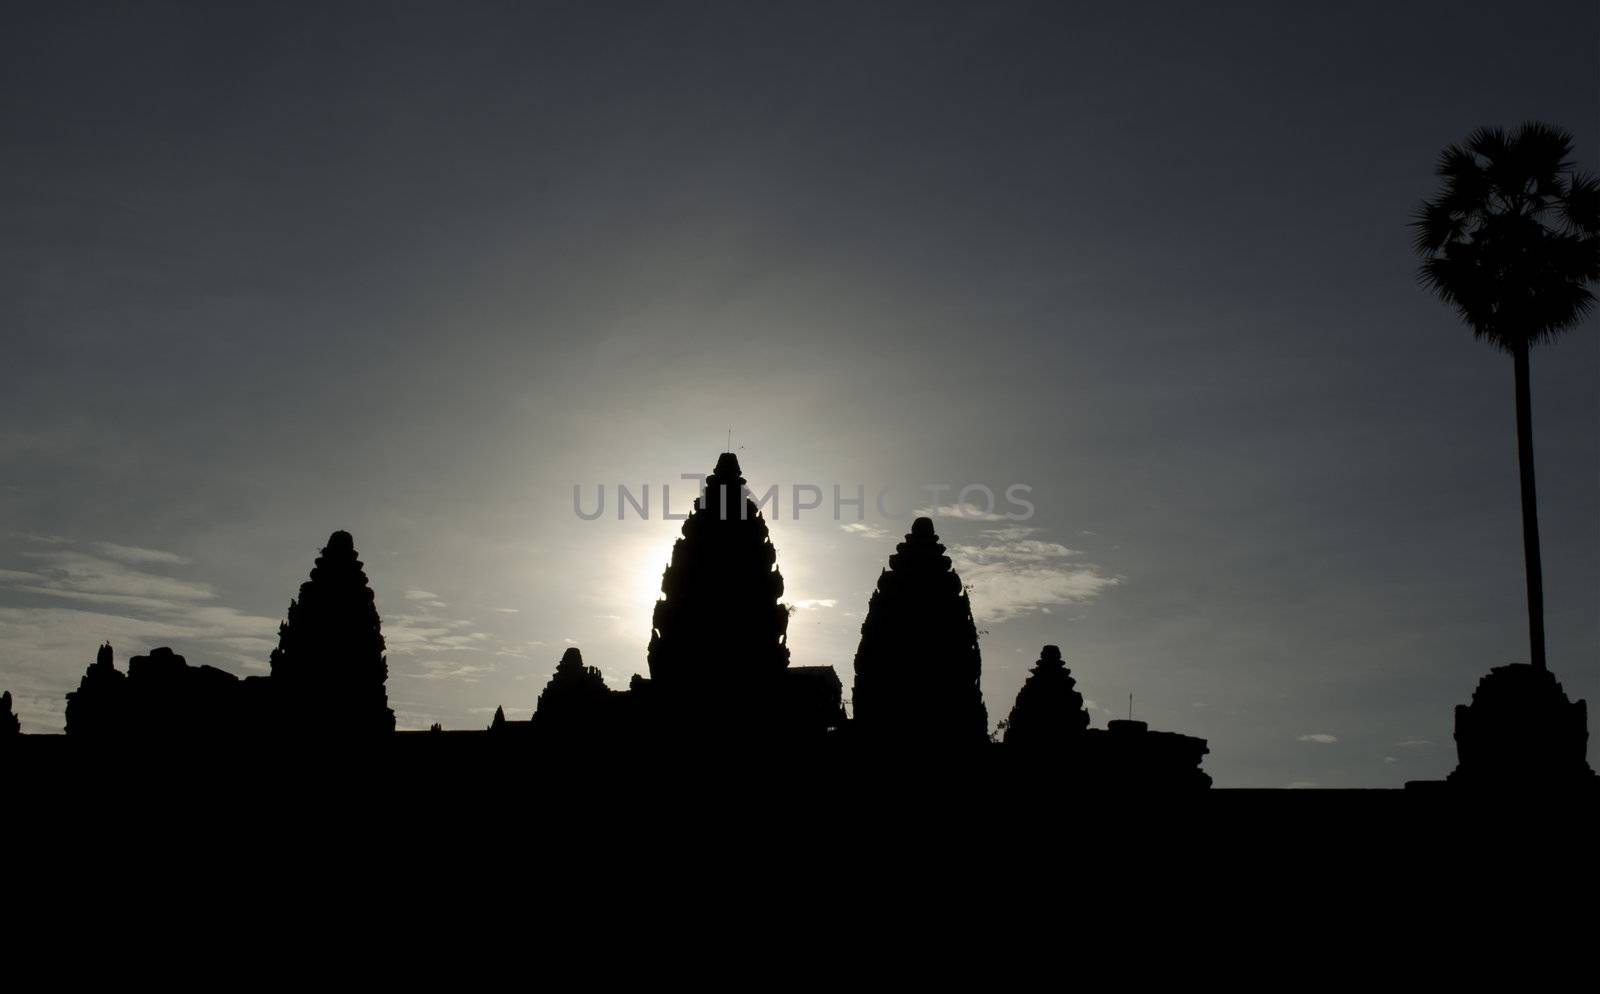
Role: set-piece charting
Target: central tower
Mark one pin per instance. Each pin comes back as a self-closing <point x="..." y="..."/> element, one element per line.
<point x="718" y="637"/>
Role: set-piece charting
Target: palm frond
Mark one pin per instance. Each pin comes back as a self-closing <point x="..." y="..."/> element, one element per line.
<point x="1543" y="150"/>
<point x="1435" y="225"/>
<point x="1580" y="209"/>
<point x="1490" y="242"/>
<point x="1454" y="161"/>
<point x="1558" y="308"/>
<point x="1489" y="143"/>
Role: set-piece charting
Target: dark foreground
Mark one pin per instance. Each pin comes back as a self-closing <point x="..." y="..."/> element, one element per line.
<point x="868" y="801"/>
<point x="764" y="871"/>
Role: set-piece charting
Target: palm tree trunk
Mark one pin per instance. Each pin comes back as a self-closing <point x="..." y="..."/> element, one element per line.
<point x="1530" y="509"/>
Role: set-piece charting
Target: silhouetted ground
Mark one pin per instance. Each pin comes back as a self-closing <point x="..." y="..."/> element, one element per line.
<point x="816" y="869"/>
<point x="418" y="771"/>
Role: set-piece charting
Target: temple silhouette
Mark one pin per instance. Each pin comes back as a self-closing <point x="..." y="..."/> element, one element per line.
<point x="1521" y="730"/>
<point x="1049" y="712"/>
<point x="918" y="664"/>
<point x="720" y="681"/>
<point x="329" y="670"/>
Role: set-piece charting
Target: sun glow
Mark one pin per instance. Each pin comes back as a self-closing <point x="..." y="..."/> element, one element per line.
<point x="639" y="562"/>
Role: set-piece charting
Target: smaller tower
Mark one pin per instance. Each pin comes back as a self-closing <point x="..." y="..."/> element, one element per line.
<point x="575" y="704"/>
<point x="1049" y="712"/>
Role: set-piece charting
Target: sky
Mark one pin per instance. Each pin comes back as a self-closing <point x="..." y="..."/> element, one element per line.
<point x="417" y="270"/>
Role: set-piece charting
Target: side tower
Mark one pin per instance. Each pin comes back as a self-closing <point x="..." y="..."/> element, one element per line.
<point x="918" y="665"/>
<point x="329" y="670"/>
<point x="576" y="705"/>
<point x="1049" y="712"/>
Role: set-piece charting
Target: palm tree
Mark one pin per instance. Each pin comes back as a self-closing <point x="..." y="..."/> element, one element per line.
<point x="1512" y="242"/>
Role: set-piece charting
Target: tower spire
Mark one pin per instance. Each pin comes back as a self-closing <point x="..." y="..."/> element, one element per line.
<point x="718" y="634"/>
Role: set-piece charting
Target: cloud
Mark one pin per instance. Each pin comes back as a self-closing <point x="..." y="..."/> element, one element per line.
<point x="811" y="604"/>
<point x="109" y="600"/>
<point x="116" y="600"/>
<point x="865" y="530"/>
<point x="1011" y="575"/>
<point x="1010" y="533"/>
<point x="425" y="645"/>
<point x="134" y="554"/>
<point x="417" y="634"/>
<point x="1016" y="551"/>
<point x="1413" y="743"/>
<point x="84" y="630"/>
<point x="75" y="575"/>
<point x="1303" y="784"/>
<point x="1321" y="738"/>
<point x="967" y="511"/>
<point x="505" y="610"/>
<point x="443" y="670"/>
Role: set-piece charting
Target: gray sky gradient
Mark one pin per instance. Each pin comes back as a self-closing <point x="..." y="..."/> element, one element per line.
<point x="413" y="270"/>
